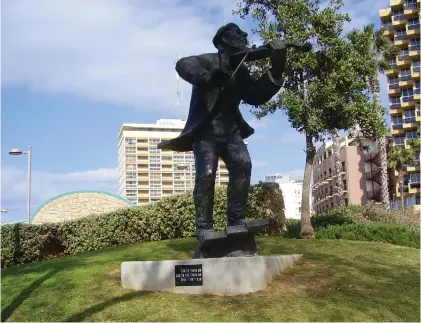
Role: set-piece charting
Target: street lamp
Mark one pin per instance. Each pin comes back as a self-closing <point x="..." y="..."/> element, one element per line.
<point x="16" y="152"/>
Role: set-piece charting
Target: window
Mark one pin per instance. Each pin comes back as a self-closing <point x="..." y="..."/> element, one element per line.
<point x="400" y="141"/>
<point x="155" y="166"/>
<point x="154" y="158"/>
<point x="393" y="63"/>
<point x="400" y="34"/>
<point x="413" y="23"/>
<point x="130" y="150"/>
<point x="155" y="193"/>
<point x="130" y="175"/>
<point x="394" y="100"/>
<point x="178" y="184"/>
<point x="155" y="184"/>
<point x="404" y="55"/>
<point x="154" y="150"/>
<point x="393" y="80"/>
<point x="130" y="141"/>
<point x="407" y="94"/>
<point x="410" y="116"/>
<point x="396" y="120"/>
<point x="417" y="200"/>
<point x="417" y="86"/>
<point x="398" y="14"/>
<point x="155" y="175"/>
<point x="415" y="44"/>
<point x="414" y="178"/>
<point x="411" y="134"/>
<point x="131" y="183"/>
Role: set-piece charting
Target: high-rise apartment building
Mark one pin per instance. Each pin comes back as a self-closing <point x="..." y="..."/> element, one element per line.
<point x="360" y="174"/>
<point x="146" y="174"/>
<point x="401" y="23"/>
<point x="291" y="193"/>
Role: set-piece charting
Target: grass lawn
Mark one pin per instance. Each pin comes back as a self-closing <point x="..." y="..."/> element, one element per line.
<point x="336" y="280"/>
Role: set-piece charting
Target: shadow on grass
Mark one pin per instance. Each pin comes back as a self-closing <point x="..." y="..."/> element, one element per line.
<point x="79" y="317"/>
<point x="24" y="294"/>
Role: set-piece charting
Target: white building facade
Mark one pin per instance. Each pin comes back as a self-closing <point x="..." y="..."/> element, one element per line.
<point x="291" y="192"/>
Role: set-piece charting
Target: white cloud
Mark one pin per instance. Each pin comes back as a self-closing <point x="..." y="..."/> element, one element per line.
<point x="118" y="51"/>
<point x="47" y="185"/>
<point x="258" y="124"/>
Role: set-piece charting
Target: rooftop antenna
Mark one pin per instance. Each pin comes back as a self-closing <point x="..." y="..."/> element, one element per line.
<point x="177" y="91"/>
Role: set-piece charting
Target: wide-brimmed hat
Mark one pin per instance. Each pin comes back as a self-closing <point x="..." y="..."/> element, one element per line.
<point x="217" y="39"/>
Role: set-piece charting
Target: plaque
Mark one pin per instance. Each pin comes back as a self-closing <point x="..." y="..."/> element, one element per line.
<point x="188" y="275"/>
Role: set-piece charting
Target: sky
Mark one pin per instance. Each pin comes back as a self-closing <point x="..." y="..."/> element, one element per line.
<point x="74" y="71"/>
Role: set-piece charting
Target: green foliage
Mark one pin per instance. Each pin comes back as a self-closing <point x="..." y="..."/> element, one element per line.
<point x="397" y="234"/>
<point x="172" y="217"/>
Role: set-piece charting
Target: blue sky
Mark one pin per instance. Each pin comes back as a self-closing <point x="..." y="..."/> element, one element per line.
<point x="74" y="71"/>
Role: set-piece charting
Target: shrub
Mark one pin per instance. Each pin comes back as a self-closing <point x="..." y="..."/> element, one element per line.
<point x="292" y="229"/>
<point x="398" y="234"/>
<point x="172" y="217"/>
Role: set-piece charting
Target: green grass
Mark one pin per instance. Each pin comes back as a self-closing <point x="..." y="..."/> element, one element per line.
<point x="336" y="280"/>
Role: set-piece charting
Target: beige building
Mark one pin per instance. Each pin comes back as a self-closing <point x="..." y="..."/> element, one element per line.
<point x="146" y="174"/>
<point x="401" y="23"/>
<point x="360" y="174"/>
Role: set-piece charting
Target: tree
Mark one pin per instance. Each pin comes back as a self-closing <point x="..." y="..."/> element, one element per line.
<point x="339" y="184"/>
<point x="325" y="89"/>
<point x="397" y="158"/>
<point x="380" y="51"/>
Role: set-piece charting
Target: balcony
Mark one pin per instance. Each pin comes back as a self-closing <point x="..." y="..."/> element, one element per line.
<point x="417" y="94"/>
<point x="395" y="109"/>
<point x="399" y="21"/>
<point x="415" y="72"/>
<point x="393" y="70"/>
<point x="372" y="173"/>
<point x="406" y="81"/>
<point x="403" y="61"/>
<point x="385" y="13"/>
<point x="396" y="3"/>
<point x="413" y="30"/>
<point x="410" y="8"/>
<point x="414" y="51"/>
<point x="397" y="129"/>
<point x="407" y="101"/>
<point x="409" y="123"/>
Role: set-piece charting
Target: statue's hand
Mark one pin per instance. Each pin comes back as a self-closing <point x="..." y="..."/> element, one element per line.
<point x="217" y="77"/>
<point x="278" y="56"/>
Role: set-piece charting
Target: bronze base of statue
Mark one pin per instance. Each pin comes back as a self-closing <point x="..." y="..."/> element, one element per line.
<point x="233" y="241"/>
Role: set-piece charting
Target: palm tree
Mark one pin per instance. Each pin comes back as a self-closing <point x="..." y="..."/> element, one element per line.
<point x="339" y="184"/>
<point x="382" y="52"/>
<point x="397" y="158"/>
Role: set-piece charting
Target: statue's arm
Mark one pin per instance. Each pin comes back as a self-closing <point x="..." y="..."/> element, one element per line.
<point x="193" y="69"/>
<point x="258" y="91"/>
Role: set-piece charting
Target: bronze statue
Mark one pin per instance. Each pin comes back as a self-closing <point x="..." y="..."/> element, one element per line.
<point x="215" y="127"/>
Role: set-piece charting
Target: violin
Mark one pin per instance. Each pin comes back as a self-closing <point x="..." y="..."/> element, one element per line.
<point x="257" y="53"/>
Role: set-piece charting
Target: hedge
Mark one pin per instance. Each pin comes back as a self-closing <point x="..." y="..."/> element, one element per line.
<point x="172" y="217"/>
<point x="398" y="234"/>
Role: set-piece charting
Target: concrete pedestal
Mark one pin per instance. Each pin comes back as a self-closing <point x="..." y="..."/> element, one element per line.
<point x="218" y="276"/>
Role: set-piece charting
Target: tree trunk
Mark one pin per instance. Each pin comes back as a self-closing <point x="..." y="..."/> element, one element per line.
<point x="400" y="181"/>
<point x="339" y="184"/>
<point x="384" y="177"/>
<point x="307" y="231"/>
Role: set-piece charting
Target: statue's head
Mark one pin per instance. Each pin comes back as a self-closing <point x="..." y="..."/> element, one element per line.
<point x="230" y="38"/>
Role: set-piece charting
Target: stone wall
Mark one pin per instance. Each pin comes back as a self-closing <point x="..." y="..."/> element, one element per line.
<point x="78" y="205"/>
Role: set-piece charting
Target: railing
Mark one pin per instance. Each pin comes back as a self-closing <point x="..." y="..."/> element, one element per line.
<point x="371" y="173"/>
<point x="417" y="91"/>
<point x="395" y="106"/>
<point x="410" y="6"/>
<point x="393" y="86"/>
<point x="401" y="37"/>
<point x="398" y="17"/>
<point x="394" y="66"/>
<point x="405" y="77"/>
<point x="416" y="69"/>
<point x="397" y="126"/>
<point x="414" y="47"/>
<point x="408" y="98"/>
<point x="409" y="120"/>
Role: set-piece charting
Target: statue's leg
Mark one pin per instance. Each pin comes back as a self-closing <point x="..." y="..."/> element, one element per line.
<point x="206" y="154"/>
<point x="235" y="155"/>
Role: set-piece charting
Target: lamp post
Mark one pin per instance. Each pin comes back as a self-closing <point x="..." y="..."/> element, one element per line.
<point x="16" y="152"/>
